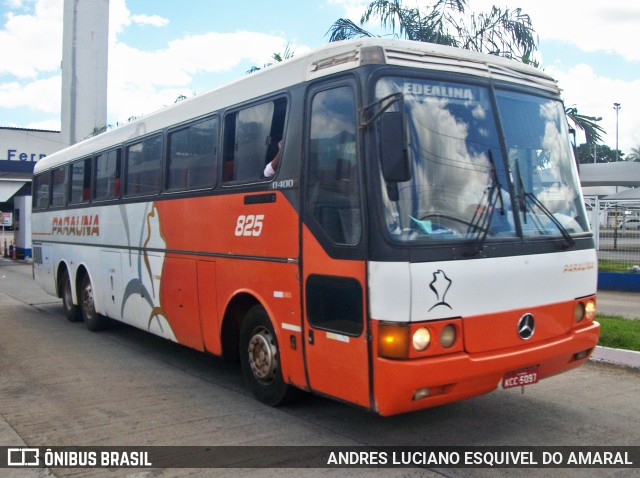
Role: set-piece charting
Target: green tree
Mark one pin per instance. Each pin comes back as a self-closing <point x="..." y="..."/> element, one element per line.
<point x="99" y="129"/>
<point x="634" y="155"/>
<point x="502" y="32"/>
<point x="588" y="124"/>
<point x="602" y="152"/>
<point x="276" y="57"/>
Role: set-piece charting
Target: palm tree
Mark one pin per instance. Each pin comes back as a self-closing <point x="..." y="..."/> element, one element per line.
<point x="507" y="33"/>
<point x="98" y="129"/>
<point x="276" y="57"/>
<point x="588" y="124"/>
<point x="634" y="155"/>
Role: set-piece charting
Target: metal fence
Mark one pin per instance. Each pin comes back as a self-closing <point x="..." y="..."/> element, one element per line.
<point x="616" y="228"/>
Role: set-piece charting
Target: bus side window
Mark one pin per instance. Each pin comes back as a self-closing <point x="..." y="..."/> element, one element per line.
<point x="59" y="187"/>
<point x="41" y="190"/>
<point x="192" y="156"/>
<point x="251" y="140"/>
<point x="144" y="167"/>
<point x="107" y="175"/>
<point x="80" y="181"/>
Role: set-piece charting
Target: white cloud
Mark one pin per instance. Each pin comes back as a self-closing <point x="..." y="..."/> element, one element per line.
<point x="153" y="20"/>
<point x="41" y="95"/>
<point x="139" y="81"/>
<point x="50" y="125"/>
<point x="595" y="95"/>
<point x="32" y="43"/>
<point x="143" y="81"/>
<point x="595" y="26"/>
<point x="353" y="9"/>
<point x="119" y="18"/>
<point x="139" y="100"/>
<point x="591" y="26"/>
<point x="14" y="4"/>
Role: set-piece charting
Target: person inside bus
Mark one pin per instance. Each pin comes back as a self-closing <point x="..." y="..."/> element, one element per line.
<point x="271" y="167"/>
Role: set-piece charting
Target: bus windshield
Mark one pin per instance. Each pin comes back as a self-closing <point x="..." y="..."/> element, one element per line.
<point x="461" y="186"/>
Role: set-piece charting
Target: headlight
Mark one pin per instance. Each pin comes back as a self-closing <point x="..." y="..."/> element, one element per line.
<point x="578" y="312"/>
<point x="590" y="310"/>
<point x="584" y="311"/>
<point x="421" y="339"/>
<point x="448" y="336"/>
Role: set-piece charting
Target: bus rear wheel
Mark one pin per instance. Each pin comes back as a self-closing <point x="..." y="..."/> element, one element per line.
<point x="260" y="359"/>
<point x="71" y="310"/>
<point x="92" y="319"/>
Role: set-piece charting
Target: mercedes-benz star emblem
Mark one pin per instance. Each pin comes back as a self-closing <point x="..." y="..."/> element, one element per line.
<point x="526" y="326"/>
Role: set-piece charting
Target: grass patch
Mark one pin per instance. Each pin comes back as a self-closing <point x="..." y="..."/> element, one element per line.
<point x="619" y="333"/>
<point x="606" y="265"/>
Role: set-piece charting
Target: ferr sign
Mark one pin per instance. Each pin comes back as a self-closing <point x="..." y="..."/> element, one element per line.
<point x="6" y="219"/>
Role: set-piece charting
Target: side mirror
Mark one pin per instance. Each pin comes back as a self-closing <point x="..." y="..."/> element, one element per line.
<point x="393" y="148"/>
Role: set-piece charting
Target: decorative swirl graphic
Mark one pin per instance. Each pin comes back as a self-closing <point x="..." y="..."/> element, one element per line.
<point x="140" y="294"/>
<point x="440" y="286"/>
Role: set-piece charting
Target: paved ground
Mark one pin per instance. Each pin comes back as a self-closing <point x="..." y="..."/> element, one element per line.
<point x="624" y="304"/>
<point x="62" y="385"/>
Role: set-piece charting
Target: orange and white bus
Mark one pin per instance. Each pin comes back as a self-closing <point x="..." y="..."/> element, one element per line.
<point x="423" y="239"/>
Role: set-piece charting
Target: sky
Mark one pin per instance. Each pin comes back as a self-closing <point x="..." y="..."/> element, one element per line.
<point x="162" y="49"/>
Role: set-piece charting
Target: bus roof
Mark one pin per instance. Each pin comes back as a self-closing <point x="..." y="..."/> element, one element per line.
<point x="328" y="59"/>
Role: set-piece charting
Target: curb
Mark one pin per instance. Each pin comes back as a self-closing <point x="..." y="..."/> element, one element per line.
<point x="625" y="358"/>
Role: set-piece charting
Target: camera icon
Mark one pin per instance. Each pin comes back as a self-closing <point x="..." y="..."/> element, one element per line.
<point x="23" y="457"/>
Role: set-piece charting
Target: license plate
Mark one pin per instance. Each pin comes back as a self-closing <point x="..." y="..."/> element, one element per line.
<point x="520" y="378"/>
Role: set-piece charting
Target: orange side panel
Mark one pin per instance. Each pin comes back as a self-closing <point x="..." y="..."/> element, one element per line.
<point x="208" y="307"/>
<point x="225" y="224"/>
<point x="277" y="288"/>
<point x="252" y="248"/>
<point x="179" y="300"/>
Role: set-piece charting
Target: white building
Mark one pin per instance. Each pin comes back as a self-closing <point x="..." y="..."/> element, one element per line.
<point x="20" y="149"/>
<point x="85" y="44"/>
<point x="84" y="107"/>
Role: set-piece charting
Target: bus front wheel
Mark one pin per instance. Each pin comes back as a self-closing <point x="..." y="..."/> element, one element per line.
<point x="92" y="319"/>
<point x="260" y="359"/>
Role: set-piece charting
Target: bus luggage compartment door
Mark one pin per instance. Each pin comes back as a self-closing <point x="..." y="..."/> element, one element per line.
<point x="336" y="351"/>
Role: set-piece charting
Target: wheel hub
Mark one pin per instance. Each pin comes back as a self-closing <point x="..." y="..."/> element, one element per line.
<point x="263" y="355"/>
<point x="87" y="301"/>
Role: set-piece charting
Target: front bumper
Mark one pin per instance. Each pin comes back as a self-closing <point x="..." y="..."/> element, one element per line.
<point x="461" y="375"/>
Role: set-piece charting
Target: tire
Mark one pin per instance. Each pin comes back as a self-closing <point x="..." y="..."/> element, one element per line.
<point x="260" y="359"/>
<point x="92" y="319"/>
<point x="71" y="310"/>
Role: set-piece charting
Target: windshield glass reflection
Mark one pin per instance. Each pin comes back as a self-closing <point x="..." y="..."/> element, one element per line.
<point x="460" y="188"/>
<point x="456" y="161"/>
<point x="540" y="159"/>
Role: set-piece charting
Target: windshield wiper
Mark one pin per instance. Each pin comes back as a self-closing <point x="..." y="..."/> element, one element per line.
<point x="521" y="192"/>
<point x="485" y="215"/>
<point x="496" y="181"/>
<point x="523" y="195"/>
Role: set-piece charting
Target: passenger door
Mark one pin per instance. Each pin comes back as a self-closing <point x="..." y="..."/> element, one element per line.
<point x="334" y="273"/>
